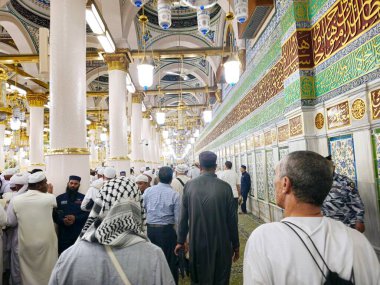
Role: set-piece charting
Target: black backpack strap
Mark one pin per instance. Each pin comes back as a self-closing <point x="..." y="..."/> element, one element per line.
<point x="180" y="181"/>
<point x="290" y="227"/>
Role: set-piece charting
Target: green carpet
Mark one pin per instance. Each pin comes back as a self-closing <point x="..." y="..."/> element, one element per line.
<point x="247" y="223"/>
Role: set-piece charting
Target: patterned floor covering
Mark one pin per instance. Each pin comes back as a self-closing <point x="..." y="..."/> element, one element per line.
<point x="247" y="223"/>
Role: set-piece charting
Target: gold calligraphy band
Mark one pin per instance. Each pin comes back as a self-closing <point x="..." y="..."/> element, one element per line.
<point x="69" y="151"/>
<point x="119" y="158"/>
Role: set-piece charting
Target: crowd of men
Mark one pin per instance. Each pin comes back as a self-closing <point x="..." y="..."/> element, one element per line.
<point x="152" y="227"/>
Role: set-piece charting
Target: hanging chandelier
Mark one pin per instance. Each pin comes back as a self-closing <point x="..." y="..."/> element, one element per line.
<point x="203" y="17"/>
<point x="241" y="10"/>
<point x="164" y="14"/>
<point x="232" y="69"/>
<point x="207" y="115"/>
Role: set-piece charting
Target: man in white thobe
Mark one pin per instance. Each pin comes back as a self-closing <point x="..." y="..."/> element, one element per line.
<point x="20" y="182"/>
<point x="38" y="246"/>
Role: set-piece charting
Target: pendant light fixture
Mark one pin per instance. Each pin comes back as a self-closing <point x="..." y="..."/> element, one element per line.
<point x="241" y="10"/>
<point x="145" y="69"/>
<point x="232" y="65"/>
<point x="203" y="17"/>
<point x="164" y="14"/>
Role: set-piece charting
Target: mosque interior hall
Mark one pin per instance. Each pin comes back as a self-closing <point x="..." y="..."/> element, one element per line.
<point x="132" y="84"/>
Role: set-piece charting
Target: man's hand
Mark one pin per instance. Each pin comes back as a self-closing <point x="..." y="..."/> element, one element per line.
<point x="178" y="247"/>
<point x="360" y="226"/>
<point x="69" y="220"/>
<point x="236" y="255"/>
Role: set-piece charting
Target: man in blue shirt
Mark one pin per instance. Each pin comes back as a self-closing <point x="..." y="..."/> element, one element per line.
<point x="162" y="210"/>
<point x="68" y="215"/>
<point x="245" y="186"/>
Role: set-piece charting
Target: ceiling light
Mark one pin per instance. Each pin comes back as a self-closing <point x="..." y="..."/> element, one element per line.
<point x="165" y="134"/>
<point x="145" y="74"/>
<point x="192" y="140"/>
<point x="7" y="141"/>
<point x="160" y="118"/>
<point x="103" y="137"/>
<point x="207" y="116"/>
<point x="196" y="133"/>
<point x="94" y="20"/>
<point x="241" y="10"/>
<point x="203" y="21"/>
<point x="88" y="122"/>
<point x="107" y="42"/>
<point x="232" y="69"/>
<point x="15" y="124"/>
<point x="164" y="14"/>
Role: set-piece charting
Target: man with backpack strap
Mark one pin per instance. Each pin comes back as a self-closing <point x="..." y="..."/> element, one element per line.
<point x="307" y="248"/>
<point x="180" y="178"/>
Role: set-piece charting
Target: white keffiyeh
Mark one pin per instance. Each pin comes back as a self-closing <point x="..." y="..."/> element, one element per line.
<point x="118" y="216"/>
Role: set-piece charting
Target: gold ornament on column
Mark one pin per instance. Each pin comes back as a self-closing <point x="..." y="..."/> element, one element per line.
<point x="137" y="98"/>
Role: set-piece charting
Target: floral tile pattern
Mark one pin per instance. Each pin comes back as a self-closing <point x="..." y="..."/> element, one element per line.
<point x="284" y="151"/>
<point x="343" y="154"/>
<point x="260" y="174"/>
<point x="270" y="176"/>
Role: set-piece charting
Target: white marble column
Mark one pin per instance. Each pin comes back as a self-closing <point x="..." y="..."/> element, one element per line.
<point x="136" y="128"/>
<point x="152" y="144"/>
<point x="158" y="148"/>
<point x="36" y="103"/>
<point x="118" y="139"/>
<point x="94" y="155"/>
<point x="68" y="152"/>
<point x="145" y="138"/>
<point x="2" y="137"/>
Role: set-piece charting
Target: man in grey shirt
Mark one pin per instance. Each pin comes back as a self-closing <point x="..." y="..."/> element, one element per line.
<point x="116" y="223"/>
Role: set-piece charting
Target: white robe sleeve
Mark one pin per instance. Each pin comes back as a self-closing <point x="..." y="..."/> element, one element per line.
<point x="3" y="217"/>
<point x="11" y="215"/>
<point x="87" y="198"/>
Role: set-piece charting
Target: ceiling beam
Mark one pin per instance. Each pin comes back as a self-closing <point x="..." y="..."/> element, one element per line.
<point x="34" y="58"/>
<point x="176" y="107"/>
<point x="27" y="75"/>
<point x="183" y="90"/>
<point x="179" y="53"/>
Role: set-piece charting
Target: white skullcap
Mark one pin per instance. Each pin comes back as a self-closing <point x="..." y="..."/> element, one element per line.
<point x="9" y="171"/>
<point x="142" y="178"/>
<point x="149" y="173"/>
<point x="19" y="179"/>
<point x="182" y="168"/>
<point x="142" y="169"/>
<point x="98" y="183"/>
<point x="36" y="177"/>
<point x="109" y="172"/>
<point x="101" y="171"/>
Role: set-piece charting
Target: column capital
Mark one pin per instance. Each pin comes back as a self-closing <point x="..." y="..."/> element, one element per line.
<point x="116" y="61"/>
<point x="146" y="115"/>
<point x="137" y="98"/>
<point x="37" y="99"/>
<point x="3" y="73"/>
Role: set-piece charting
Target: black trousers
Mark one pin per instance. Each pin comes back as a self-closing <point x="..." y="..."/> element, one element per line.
<point x="244" y="204"/>
<point x="166" y="238"/>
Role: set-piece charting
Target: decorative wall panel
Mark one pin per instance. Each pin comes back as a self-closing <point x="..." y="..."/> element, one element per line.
<point x="267" y="88"/>
<point x="358" y="109"/>
<point x="343" y="155"/>
<point x="283" y="133"/>
<point x="283" y="151"/>
<point x="344" y="22"/>
<point x="338" y="116"/>
<point x="295" y="126"/>
<point x="376" y="150"/>
<point x="375" y="104"/>
<point x="268" y="138"/>
<point x="270" y="176"/>
<point x="260" y="175"/>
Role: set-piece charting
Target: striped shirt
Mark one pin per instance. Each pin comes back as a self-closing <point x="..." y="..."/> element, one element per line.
<point x="162" y="204"/>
